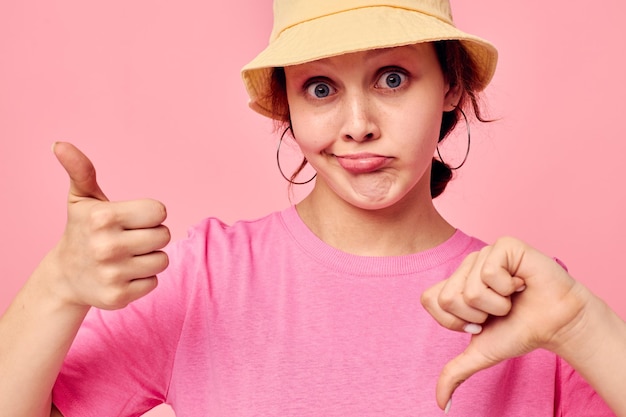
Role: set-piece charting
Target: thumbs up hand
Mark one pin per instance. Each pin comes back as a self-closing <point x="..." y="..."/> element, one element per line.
<point x="513" y="299"/>
<point x="109" y="253"/>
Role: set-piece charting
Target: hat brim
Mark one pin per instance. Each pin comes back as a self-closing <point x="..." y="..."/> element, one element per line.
<point x="353" y="31"/>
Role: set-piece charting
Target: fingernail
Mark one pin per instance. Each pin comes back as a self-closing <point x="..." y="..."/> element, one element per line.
<point x="472" y="328"/>
<point x="448" y="405"/>
<point x="53" y="145"/>
<point x="520" y="289"/>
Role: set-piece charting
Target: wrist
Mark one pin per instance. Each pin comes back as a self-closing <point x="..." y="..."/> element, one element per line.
<point x="53" y="286"/>
<point x="580" y="339"/>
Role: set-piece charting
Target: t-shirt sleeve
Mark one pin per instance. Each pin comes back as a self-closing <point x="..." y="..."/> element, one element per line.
<point x="575" y="397"/>
<point x="121" y="361"/>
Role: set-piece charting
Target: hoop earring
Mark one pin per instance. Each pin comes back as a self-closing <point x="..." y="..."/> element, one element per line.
<point x="278" y="162"/>
<point x="469" y="142"/>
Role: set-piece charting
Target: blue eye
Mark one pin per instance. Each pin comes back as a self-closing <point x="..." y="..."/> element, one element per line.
<point x="391" y="79"/>
<point x="320" y="89"/>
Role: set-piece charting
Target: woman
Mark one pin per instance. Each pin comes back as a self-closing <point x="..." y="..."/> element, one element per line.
<point x="310" y="311"/>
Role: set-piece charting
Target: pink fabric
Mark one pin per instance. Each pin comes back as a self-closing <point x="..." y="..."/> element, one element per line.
<point x="263" y="319"/>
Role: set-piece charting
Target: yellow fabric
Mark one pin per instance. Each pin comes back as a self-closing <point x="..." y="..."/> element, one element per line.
<point x="307" y="30"/>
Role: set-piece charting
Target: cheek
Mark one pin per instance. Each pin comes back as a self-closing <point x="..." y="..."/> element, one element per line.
<point x="420" y="131"/>
<point x="311" y="133"/>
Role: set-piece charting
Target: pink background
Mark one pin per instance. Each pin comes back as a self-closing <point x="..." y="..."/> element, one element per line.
<point x="150" y="90"/>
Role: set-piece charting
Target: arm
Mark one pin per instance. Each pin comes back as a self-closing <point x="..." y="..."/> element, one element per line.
<point x="514" y="299"/>
<point x="595" y="346"/>
<point x="107" y="257"/>
<point x="36" y="332"/>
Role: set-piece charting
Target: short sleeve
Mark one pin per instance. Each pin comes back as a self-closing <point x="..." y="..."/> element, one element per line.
<point x="574" y="397"/>
<point x="121" y="361"/>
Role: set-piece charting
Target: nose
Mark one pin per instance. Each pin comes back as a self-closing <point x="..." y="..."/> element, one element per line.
<point x="360" y="118"/>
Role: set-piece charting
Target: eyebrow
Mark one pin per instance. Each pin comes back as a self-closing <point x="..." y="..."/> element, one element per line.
<point x="369" y="55"/>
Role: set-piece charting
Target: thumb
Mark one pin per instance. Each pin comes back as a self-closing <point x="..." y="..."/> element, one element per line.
<point x="80" y="170"/>
<point x="457" y="371"/>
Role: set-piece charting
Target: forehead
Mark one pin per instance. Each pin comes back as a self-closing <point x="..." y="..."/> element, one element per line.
<point x="423" y="52"/>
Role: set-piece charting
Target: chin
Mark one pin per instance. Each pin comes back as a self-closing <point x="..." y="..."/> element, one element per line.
<point x="375" y="204"/>
<point x="410" y="199"/>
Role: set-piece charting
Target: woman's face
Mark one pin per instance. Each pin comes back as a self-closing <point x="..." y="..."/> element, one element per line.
<point x="369" y="122"/>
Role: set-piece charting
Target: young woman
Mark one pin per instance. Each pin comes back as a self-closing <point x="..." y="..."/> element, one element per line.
<point x="314" y="310"/>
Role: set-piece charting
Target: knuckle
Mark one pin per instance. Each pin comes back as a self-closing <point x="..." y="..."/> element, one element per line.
<point x="510" y="242"/>
<point x="446" y="301"/>
<point x="503" y="308"/>
<point x="472" y="298"/>
<point x="102" y="216"/>
<point x="113" y="298"/>
<point x="489" y="270"/>
<point x="485" y="250"/>
<point x="104" y="250"/>
<point x="110" y="277"/>
<point x="427" y="299"/>
<point x="478" y="317"/>
<point x="451" y="323"/>
<point x="506" y="240"/>
<point x="447" y="373"/>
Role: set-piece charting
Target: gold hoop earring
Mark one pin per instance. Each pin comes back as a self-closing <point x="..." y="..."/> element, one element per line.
<point x="469" y="142"/>
<point x="278" y="161"/>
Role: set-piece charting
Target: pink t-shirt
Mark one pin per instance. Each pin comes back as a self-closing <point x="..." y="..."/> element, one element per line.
<point x="264" y="319"/>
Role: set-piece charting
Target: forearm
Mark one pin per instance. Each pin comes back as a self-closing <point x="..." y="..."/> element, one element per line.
<point x="36" y="333"/>
<point x="596" y="348"/>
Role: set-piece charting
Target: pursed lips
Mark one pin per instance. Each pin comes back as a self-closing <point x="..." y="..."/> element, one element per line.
<point x="362" y="163"/>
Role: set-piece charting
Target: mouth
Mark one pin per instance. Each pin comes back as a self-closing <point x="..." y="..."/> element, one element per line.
<point x="363" y="163"/>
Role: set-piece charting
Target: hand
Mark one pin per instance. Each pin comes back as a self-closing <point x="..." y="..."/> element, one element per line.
<point x="513" y="299"/>
<point x="109" y="253"/>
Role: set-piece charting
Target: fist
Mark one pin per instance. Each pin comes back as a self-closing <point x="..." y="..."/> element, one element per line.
<point x="109" y="253"/>
<point x="512" y="299"/>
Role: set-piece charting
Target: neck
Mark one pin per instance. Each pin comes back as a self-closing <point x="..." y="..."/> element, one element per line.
<point x="409" y="226"/>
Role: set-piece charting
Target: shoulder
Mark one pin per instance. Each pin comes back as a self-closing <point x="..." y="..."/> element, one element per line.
<point x="212" y="234"/>
<point x="459" y="245"/>
<point x="214" y="248"/>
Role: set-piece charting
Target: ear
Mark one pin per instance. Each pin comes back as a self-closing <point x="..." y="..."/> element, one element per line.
<point x="452" y="97"/>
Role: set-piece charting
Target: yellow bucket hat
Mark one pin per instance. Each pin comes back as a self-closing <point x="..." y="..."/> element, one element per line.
<point x="308" y="30"/>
